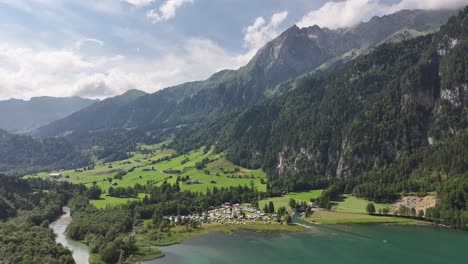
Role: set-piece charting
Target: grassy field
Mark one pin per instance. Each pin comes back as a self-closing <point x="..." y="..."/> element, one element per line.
<point x="113" y="201"/>
<point x="305" y="196"/>
<point x="284" y="200"/>
<point x="147" y="166"/>
<point x="352" y="204"/>
<point x="277" y="201"/>
<point x="330" y="217"/>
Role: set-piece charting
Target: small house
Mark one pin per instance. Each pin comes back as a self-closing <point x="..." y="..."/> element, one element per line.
<point x="55" y="176"/>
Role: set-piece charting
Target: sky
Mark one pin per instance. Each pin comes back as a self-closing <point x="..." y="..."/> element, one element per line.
<point x="102" y="48"/>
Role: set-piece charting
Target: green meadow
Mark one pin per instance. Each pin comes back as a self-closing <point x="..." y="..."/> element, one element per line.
<point x="107" y="201"/>
<point x="305" y="196"/>
<point x="352" y="204"/>
<point x="284" y="200"/>
<point x="147" y="166"/>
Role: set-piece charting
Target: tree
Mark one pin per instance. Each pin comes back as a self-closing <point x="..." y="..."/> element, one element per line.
<point x="292" y="203"/>
<point x="420" y="214"/>
<point x="255" y="203"/>
<point x="110" y="253"/>
<point x="308" y="212"/>
<point x="385" y="210"/>
<point x="282" y="211"/>
<point x="370" y="208"/>
<point x="94" y="192"/>
<point x="403" y="210"/>
<point x="271" y="207"/>
<point x="289" y="220"/>
<point x="413" y="212"/>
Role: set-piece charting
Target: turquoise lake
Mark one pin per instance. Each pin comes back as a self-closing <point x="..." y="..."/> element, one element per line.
<point x="340" y="244"/>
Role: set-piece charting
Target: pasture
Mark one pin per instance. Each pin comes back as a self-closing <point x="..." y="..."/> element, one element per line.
<point x="352" y="204"/>
<point x="148" y="166"/>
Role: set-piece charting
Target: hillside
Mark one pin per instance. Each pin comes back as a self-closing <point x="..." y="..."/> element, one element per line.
<point x="294" y="53"/>
<point x="393" y="121"/>
<point x="19" y="116"/>
<point x="397" y="99"/>
<point x="26" y="208"/>
<point x="20" y="155"/>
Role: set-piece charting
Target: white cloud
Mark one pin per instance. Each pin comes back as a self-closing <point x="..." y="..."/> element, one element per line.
<point x="348" y="13"/>
<point x="261" y="31"/>
<point x="166" y="11"/>
<point x="28" y="72"/>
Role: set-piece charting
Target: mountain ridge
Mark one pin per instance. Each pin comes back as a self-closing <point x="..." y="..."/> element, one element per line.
<point x="291" y="54"/>
<point x="24" y="116"/>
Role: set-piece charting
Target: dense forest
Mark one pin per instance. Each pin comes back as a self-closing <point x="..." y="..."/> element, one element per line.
<point x="147" y="118"/>
<point x="20" y="155"/>
<point x="26" y="209"/>
<point x="390" y="122"/>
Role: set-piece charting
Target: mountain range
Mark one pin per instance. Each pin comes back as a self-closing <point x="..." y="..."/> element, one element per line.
<point x="20" y="116"/>
<point x="313" y="103"/>
<point x="375" y="110"/>
<point x="273" y="70"/>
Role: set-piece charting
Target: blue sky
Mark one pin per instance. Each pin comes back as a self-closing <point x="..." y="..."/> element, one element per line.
<point x="100" y="48"/>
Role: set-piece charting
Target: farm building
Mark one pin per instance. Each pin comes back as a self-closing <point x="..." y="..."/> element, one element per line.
<point x="55" y="176"/>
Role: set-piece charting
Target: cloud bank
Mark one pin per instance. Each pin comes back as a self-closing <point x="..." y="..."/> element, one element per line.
<point x="80" y="70"/>
<point x="27" y="72"/>
<point x="348" y="13"/>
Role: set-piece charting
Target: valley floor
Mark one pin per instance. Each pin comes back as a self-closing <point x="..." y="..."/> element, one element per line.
<point x="201" y="171"/>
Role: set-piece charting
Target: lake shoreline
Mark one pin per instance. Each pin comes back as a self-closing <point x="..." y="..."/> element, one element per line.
<point x="273" y="227"/>
<point x="332" y="243"/>
<point x="180" y="236"/>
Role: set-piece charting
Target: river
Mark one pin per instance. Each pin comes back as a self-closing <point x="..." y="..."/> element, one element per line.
<point x="350" y="244"/>
<point x="80" y="251"/>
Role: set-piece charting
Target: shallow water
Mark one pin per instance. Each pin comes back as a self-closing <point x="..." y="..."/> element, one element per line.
<point x="350" y="244"/>
<point x="80" y="251"/>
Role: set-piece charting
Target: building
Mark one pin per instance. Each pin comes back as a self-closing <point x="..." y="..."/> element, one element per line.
<point x="55" y="176"/>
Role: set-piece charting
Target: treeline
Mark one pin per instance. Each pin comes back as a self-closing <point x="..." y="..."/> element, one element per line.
<point x="21" y="155"/>
<point x="26" y="209"/>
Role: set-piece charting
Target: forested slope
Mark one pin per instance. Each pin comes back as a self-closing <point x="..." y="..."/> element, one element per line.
<point x="20" y="155"/>
<point x="25" y="213"/>
<point x="295" y="52"/>
<point x="389" y="122"/>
